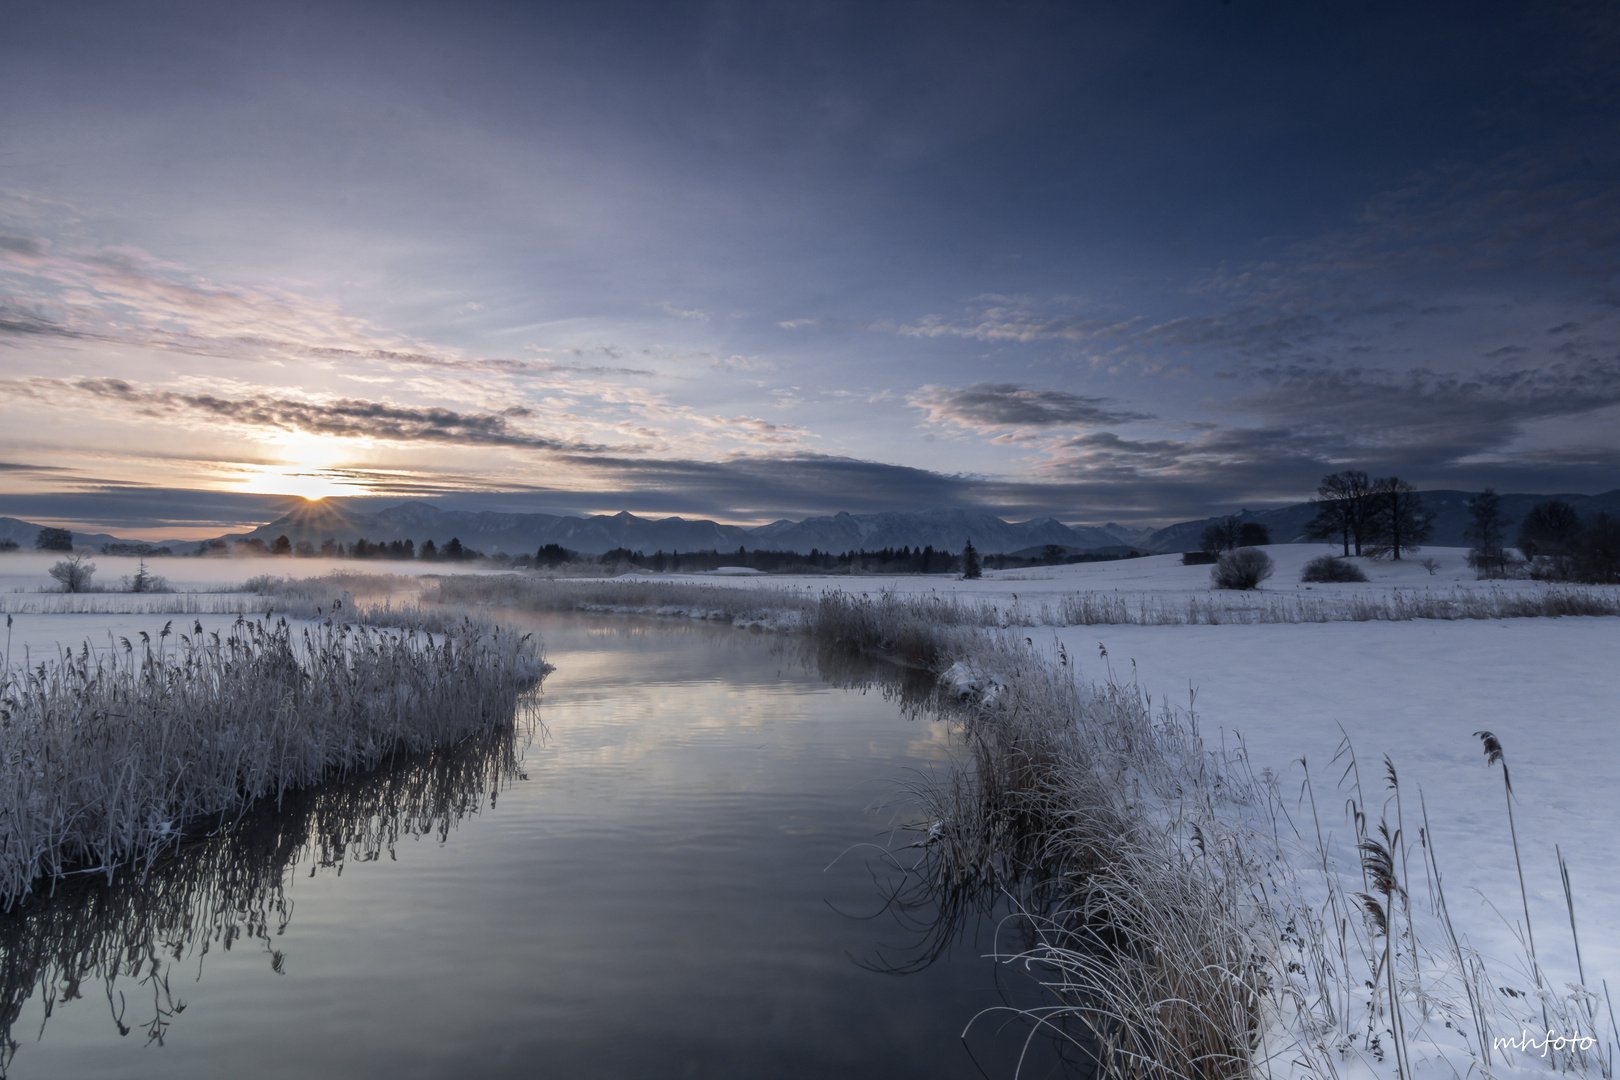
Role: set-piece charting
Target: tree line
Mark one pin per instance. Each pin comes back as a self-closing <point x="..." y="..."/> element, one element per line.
<point x="1386" y="518"/>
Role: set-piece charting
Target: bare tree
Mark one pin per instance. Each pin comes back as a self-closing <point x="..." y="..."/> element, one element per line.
<point x="1396" y="522"/>
<point x="74" y="572"/>
<point x="1220" y="535"/>
<point x="1486" y="530"/>
<point x="1549" y="529"/>
<point x="1341" y="509"/>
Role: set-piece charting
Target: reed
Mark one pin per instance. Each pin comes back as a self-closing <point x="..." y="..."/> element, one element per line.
<point x="113" y="757"/>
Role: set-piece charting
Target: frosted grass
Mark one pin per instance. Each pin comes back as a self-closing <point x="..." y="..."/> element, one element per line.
<point x="112" y="757"/>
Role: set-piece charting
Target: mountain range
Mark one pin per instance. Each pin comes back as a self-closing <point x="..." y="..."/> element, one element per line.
<point x="511" y="533"/>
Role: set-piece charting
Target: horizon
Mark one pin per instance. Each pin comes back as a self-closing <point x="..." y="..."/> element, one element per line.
<point x="745" y="264"/>
<point x="376" y="505"/>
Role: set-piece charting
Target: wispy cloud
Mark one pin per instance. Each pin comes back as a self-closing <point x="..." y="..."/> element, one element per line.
<point x="990" y="407"/>
<point x="1014" y="323"/>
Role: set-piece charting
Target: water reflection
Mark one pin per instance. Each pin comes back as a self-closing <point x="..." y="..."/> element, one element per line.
<point x="123" y="939"/>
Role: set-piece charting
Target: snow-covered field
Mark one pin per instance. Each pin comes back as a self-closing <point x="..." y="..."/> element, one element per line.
<point x="27" y="572"/>
<point x="1160" y="583"/>
<point x="1417" y="691"/>
<point x="1413" y="690"/>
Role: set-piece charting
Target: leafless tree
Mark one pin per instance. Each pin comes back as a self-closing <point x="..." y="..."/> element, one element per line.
<point x="1341" y="509"/>
<point x="74" y="572"/>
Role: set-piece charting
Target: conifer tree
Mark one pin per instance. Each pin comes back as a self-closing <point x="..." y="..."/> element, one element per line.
<point x="970" y="562"/>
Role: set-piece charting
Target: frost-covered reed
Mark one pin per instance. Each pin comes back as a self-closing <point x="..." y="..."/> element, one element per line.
<point x="111" y="757"/>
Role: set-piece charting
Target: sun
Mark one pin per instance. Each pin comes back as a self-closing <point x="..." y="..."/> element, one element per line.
<point x="313" y="484"/>
<point x="308" y="469"/>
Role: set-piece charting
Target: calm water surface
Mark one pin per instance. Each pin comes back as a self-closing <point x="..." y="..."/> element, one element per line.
<point x="676" y="878"/>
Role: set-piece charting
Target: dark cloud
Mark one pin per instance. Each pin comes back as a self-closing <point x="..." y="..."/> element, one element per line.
<point x="21" y="321"/>
<point x="343" y="417"/>
<point x="989" y="406"/>
<point x="21" y="245"/>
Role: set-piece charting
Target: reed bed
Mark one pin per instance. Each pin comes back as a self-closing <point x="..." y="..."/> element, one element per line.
<point x="226" y="888"/>
<point x="114" y="757"/>
<point x="788" y="608"/>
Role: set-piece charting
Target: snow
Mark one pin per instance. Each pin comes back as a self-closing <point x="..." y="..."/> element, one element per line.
<point x="1154" y="578"/>
<point x="28" y="571"/>
<point x="1417" y="691"/>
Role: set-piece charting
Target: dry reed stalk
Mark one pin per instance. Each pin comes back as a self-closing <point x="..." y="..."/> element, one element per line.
<point x="112" y="759"/>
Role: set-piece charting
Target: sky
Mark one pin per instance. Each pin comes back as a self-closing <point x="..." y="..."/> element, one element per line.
<point x="1099" y="261"/>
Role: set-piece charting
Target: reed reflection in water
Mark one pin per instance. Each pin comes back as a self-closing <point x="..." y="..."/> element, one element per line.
<point x="229" y="890"/>
<point x="684" y="874"/>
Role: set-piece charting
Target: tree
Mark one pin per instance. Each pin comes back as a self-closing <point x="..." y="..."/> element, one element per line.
<point x="1219" y="535"/>
<point x="1549" y="529"/>
<point x="453" y="550"/>
<point x="1341" y="509"/>
<point x="8" y="544"/>
<point x="54" y="540"/>
<point x="1053" y="554"/>
<point x="281" y="545"/>
<point x="1253" y="534"/>
<point x="430" y="550"/>
<point x="1486" y="530"/>
<point x="1396" y="522"/>
<point x="970" y="562"/>
<point x="554" y="555"/>
<point x="1597" y="551"/>
<point x="74" y="572"/>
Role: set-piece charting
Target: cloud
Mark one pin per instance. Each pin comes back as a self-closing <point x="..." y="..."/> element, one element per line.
<point x="1014" y="323"/>
<point x="999" y="406"/>
<point x="262" y="413"/>
<point x="680" y="313"/>
<point x="124" y="296"/>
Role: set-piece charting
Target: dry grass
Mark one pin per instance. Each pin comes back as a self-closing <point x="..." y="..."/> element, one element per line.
<point x="1103" y="820"/>
<point x="795" y="608"/>
<point x="112" y="759"/>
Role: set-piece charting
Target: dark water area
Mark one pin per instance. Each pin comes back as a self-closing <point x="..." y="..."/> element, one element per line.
<point x="673" y="867"/>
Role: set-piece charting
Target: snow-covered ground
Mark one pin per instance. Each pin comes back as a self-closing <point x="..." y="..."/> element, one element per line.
<point x="1417" y="691"/>
<point x="1155" y="579"/>
<point x="27" y="572"/>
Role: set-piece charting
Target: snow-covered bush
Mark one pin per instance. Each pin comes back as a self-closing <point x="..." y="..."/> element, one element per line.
<point x="1331" y="568"/>
<point x="1244" y="568"/>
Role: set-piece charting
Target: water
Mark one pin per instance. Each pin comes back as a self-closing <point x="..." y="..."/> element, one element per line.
<point x="680" y="876"/>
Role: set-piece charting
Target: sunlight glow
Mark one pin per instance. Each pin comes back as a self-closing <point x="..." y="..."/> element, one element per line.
<point x="308" y="482"/>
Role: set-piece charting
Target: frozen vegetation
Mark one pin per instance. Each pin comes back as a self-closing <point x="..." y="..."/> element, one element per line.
<point x="114" y="756"/>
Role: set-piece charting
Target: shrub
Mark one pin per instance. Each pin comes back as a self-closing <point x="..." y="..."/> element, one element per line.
<point x="74" y="572"/>
<point x="1244" y="568"/>
<point x="1331" y="568"/>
